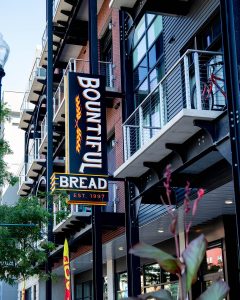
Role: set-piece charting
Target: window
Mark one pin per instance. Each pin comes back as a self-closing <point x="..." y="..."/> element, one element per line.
<point x="106" y="56"/>
<point x="147" y="56"/>
<point x="111" y="155"/>
<point x="83" y="291"/>
<point x="208" y="38"/>
<point x="212" y="267"/>
<point x="155" y="278"/>
<point x="34" y="292"/>
<point x="122" y="286"/>
<point x="28" y="295"/>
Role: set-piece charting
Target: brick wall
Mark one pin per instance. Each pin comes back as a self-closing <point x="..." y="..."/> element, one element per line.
<point x="114" y="115"/>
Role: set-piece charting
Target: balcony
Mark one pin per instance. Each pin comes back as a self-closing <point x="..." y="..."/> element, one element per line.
<point x="79" y="215"/>
<point x="43" y="141"/>
<point x="172" y="7"/>
<point x="82" y="66"/>
<point x="36" y="81"/>
<point x="36" y="161"/>
<point x="25" y="183"/>
<point x="71" y="17"/>
<point x="122" y="3"/>
<point x="193" y="89"/>
<point x="26" y="112"/>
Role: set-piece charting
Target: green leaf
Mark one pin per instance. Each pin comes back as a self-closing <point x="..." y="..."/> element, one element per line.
<point x="217" y="291"/>
<point x="161" y="295"/>
<point x="193" y="256"/>
<point x="165" y="260"/>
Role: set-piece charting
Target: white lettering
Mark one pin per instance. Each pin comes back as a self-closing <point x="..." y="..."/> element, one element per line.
<point x="89" y="165"/>
<point x="73" y="182"/>
<point x="88" y="94"/>
<point x="63" y="181"/>
<point x="93" y="138"/>
<point x="82" y="182"/>
<point x="92" y="184"/>
<point x="102" y="183"/>
<point x="85" y="82"/>
<point x="98" y="129"/>
<point x="89" y="106"/>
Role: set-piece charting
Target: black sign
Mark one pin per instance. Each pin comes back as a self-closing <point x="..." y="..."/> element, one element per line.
<point x="84" y="189"/>
<point x="86" y="151"/>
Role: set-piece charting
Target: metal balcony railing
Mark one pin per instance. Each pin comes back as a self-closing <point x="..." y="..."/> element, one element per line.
<point x="44" y="37"/>
<point x="26" y="105"/>
<point x="71" y="209"/>
<point x="104" y="68"/>
<point x="58" y="97"/>
<point x="195" y="82"/>
<point x="43" y="129"/>
<point x="23" y="175"/>
<point x="82" y="66"/>
<point x="33" y="153"/>
<point x="37" y="72"/>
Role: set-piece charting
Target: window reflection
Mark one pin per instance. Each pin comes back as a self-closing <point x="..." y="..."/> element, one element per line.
<point x="122" y="285"/>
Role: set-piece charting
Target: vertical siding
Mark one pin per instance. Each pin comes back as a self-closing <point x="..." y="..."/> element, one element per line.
<point x="182" y="29"/>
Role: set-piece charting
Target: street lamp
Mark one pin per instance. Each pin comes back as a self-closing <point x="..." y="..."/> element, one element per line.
<point x="4" y="52"/>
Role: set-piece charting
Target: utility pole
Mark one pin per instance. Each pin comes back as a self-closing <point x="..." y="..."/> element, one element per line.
<point x="49" y="6"/>
<point x="96" y="210"/>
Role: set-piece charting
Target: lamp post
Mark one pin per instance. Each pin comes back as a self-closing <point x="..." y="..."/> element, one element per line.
<point x="4" y="52"/>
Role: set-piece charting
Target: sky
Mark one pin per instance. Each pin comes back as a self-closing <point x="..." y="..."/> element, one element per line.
<point x="22" y="23"/>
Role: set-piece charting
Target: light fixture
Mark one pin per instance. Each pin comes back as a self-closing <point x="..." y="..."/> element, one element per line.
<point x="4" y="51"/>
<point x="120" y="248"/>
<point x="228" y="202"/>
<point x="160" y="230"/>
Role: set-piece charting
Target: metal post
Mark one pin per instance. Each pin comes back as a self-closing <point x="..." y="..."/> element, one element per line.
<point x="141" y="129"/>
<point x="197" y="79"/>
<point x="2" y="74"/>
<point x="187" y="82"/>
<point x="96" y="210"/>
<point x="49" y="5"/>
<point x="132" y="238"/>
<point x="162" y="106"/>
<point x="230" y="16"/>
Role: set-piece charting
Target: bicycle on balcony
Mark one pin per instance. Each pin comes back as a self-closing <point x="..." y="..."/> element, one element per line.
<point x="213" y="95"/>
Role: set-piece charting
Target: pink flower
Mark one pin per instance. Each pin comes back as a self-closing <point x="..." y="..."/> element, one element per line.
<point x="196" y="202"/>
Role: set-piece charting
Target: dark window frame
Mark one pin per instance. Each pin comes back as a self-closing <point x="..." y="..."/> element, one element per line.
<point x="159" y="60"/>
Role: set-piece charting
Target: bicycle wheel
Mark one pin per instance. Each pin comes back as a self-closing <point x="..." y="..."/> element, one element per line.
<point x="206" y="97"/>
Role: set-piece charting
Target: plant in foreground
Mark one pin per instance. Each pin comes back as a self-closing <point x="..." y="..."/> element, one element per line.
<point x="186" y="264"/>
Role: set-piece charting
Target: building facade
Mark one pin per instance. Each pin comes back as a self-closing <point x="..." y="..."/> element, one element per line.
<point x="167" y="103"/>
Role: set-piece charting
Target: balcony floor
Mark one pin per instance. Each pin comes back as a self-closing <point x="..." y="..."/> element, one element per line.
<point x="122" y="3"/>
<point x="73" y="217"/>
<point x="35" y="167"/>
<point x="177" y="130"/>
<point x="25" y="187"/>
<point x="25" y="118"/>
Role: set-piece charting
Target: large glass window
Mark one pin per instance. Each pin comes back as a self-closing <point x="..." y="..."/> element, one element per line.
<point x="83" y="291"/>
<point x="155" y="278"/>
<point x="147" y="56"/>
<point x="122" y="285"/>
<point x="213" y="266"/>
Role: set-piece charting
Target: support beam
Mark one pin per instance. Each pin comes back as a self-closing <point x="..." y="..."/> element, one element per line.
<point x="132" y="238"/>
<point x="49" y="4"/>
<point x="230" y="17"/>
<point x="96" y="211"/>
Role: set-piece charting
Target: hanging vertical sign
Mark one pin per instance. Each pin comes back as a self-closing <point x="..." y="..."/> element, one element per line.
<point x="66" y="266"/>
<point x="86" y="153"/>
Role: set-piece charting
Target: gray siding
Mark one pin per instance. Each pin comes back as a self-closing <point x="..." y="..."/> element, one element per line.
<point x="182" y="29"/>
<point x="149" y="212"/>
